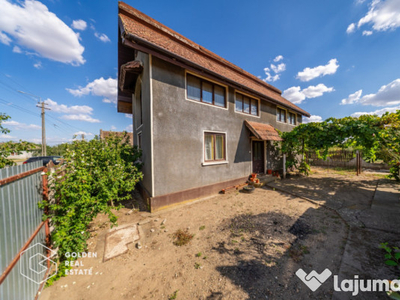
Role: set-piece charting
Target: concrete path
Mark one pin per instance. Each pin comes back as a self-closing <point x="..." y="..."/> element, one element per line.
<point x="371" y="208"/>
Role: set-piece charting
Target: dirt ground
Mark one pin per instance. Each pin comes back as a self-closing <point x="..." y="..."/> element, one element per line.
<point x="245" y="246"/>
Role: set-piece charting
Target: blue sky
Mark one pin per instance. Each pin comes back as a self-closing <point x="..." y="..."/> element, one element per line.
<point x="333" y="58"/>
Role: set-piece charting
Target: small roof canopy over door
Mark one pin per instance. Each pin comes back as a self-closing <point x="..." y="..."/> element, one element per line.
<point x="262" y="131"/>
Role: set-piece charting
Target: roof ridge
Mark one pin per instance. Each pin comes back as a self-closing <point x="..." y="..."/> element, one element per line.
<point x="138" y="14"/>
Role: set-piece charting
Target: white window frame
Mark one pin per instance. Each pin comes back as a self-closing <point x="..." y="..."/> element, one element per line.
<point x="219" y="162"/>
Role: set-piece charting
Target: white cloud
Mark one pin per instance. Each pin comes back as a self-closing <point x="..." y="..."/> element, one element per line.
<point x="21" y="126"/>
<point x="317" y="91"/>
<point x="84" y="133"/>
<point x="102" y="37"/>
<point x="378" y="112"/>
<point x="113" y="127"/>
<point x="353" y="98"/>
<point x="106" y="88"/>
<point x="279" y="68"/>
<point x="34" y="27"/>
<point x="367" y="32"/>
<point x="312" y="118"/>
<point x="74" y="109"/>
<point x="79" y="24"/>
<point x="129" y="116"/>
<point x="270" y="78"/>
<point x="274" y="68"/>
<point x="383" y="15"/>
<point x="296" y="95"/>
<point x="310" y="73"/>
<point x="129" y="128"/>
<point x="4" y="39"/>
<point x="387" y="95"/>
<point x="80" y="117"/>
<point x="351" y="28"/>
<point x="17" y="49"/>
<point x="8" y="137"/>
<point x="38" y="65"/>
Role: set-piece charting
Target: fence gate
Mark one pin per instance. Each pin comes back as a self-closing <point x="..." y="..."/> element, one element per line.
<point x="23" y="235"/>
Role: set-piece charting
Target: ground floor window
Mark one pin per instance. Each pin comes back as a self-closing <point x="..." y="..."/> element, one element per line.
<point x="214" y="146"/>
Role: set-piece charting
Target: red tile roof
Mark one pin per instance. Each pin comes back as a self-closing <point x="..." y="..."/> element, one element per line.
<point x="104" y="134"/>
<point x="137" y="25"/>
<point x="262" y="131"/>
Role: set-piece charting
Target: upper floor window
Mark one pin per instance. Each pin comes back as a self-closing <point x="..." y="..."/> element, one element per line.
<point x="292" y="118"/>
<point x="205" y="91"/>
<point x="280" y="115"/>
<point x="246" y="105"/>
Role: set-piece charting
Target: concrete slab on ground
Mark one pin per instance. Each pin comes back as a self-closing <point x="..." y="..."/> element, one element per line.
<point x="363" y="257"/>
<point x="117" y="240"/>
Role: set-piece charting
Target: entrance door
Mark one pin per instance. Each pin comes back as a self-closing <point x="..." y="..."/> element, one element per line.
<point x="258" y="157"/>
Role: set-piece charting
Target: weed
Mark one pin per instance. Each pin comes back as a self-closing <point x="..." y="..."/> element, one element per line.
<point x="234" y="241"/>
<point x="197" y="266"/>
<point x="198" y="254"/>
<point x="173" y="295"/>
<point x="202" y="227"/>
<point x="205" y="257"/>
<point x="392" y="255"/>
<point x="182" y="237"/>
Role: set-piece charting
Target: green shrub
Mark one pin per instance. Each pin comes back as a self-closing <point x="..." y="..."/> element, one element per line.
<point x="94" y="178"/>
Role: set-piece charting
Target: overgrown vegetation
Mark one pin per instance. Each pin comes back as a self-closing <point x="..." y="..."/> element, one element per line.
<point x="94" y="178"/>
<point x="374" y="135"/>
<point x="182" y="237"/>
<point x="7" y="148"/>
<point x="392" y="258"/>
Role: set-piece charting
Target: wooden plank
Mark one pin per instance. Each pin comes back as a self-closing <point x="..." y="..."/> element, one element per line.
<point x="125" y="107"/>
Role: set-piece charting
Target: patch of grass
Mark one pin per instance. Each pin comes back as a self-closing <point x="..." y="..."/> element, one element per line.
<point x="198" y="254"/>
<point x="297" y="252"/>
<point x="197" y="266"/>
<point x="202" y="227"/>
<point x="162" y="227"/>
<point x="234" y="241"/>
<point x="173" y="295"/>
<point x="182" y="237"/>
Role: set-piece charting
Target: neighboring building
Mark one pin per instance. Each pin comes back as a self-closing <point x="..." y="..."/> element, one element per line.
<point x="203" y="123"/>
<point x="23" y="155"/>
<point x="104" y="134"/>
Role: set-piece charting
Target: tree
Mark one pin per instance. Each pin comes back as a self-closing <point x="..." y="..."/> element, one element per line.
<point x="371" y="133"/>
<point x="7" y="148"/>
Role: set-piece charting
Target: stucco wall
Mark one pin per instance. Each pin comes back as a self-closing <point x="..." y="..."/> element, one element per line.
<point x="178" y="134"/>
<point x="143" y="83"/>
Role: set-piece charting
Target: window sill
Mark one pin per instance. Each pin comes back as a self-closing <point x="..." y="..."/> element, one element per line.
<point x="222" y="162"/>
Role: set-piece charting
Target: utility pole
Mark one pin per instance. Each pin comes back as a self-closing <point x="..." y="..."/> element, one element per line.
<point x="41" y="104"/>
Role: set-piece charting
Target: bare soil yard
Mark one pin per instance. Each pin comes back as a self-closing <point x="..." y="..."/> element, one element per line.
<point x="245" y="246"/>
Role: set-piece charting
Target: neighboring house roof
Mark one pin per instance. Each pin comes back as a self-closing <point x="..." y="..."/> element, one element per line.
<point x="104" y="134"/>
<point x="142" y="29"/>
<point x="262" y="131"/>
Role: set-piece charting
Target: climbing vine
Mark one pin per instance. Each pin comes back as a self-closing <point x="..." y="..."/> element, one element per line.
<point x="371" y="133"/>
<point x="95" y="177"/>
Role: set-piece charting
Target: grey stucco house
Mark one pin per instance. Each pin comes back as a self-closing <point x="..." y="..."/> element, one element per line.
<point x="203" y="123"/>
